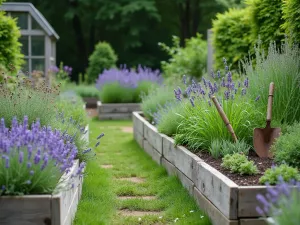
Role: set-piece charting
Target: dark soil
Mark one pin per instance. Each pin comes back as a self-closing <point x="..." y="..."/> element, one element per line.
<point x="242" y="180"/>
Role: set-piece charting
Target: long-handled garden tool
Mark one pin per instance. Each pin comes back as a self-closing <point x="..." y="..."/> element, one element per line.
<point x="224" y="118"/>
<point x="263" y="138"/>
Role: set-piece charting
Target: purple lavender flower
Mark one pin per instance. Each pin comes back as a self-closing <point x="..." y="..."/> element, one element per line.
<point x="98" y="143"/>
<point x="246" y="82"/>
<point x="192" y="102"/>
<point x="219" y="74"/>
<point x="184" y="79"/>
<point x="54" y="69"/>
<point x="100" y="136"/>
<point x="257" y="98"/>
<point x="21" y="157"/>
<point x="128" y="78"/>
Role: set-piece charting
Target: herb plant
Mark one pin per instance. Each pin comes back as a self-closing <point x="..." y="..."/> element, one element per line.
<point x="238" y="163"/>
<point x="287" y="146"/>
<point x="284" y="171"/>
<point x="281" y="203"/>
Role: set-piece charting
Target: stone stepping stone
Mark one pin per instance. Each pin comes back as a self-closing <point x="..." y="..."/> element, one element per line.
<point x="137" y="197"/>
<point x="137" y="180"/>
<point x="127" y="129"/>
<point x="126" y="212"/>
<point x="107" y="166"/>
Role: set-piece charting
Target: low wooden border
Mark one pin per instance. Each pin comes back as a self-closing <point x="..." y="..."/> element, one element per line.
<point x="55" y="209"/>
<point x="223" y="200"/>
<point x="91" y="102"/>
<point x="116" y="111"/>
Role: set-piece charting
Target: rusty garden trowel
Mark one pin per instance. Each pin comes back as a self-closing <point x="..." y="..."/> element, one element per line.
<point x="263" y="138"/>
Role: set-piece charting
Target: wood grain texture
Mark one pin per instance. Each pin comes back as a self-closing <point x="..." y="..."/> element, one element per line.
<point x="155" y="155"/>
<point x="30" y="209"/>
<point x="217" y="218"/>
<point x="153" y="136"/>
<point x="253" y="222"/>
<point x="217" y="188"/>
<point x="138" y="122"/>
<point x="118" y="107"/>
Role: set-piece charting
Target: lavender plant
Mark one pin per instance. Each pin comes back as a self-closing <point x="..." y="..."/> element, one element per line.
<point x="25" y="98"/>
<point x="281" y="203"/>
<point x="126" y="85"/>
<point x="60" y="74"/>
<point x="204" y="124"/>
<point x="33" y="159"/>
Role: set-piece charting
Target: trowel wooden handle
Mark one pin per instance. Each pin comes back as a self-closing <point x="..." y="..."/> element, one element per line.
<point x="224" y="118"/>
<point x="270" y="102"/>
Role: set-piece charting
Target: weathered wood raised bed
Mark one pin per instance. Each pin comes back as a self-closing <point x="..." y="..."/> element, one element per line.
<point x="91" y="102"/>
<point x="116" y="111"/>
<point x="55" y="209"/>
<point x="225" y="202"/>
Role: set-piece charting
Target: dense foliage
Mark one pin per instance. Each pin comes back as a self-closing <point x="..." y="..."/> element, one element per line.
<point x="291" y="15"/>
<point x="10" y="49"/>
<point x="231" y="37"/>
<point x="281" y="66"/>
<point x="287" y="147"/>
<point x="266" y="20"/>
<point x="102" y="58"/>
<point x="190" y="60"/>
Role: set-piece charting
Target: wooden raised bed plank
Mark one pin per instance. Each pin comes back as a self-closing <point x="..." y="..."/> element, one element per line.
<point x="152" y="136"/>
<point x="219" y="189"/>
<point x="114" y="116"/>
<point x="32" y="210"/>
<point x="253" y="222"/>
<point x="171" y="169"/>
<point x="155" y="155"/>
<point x="139" y="139"/>
<point x="118" y="107"/>
<point x="138" y="125"/>
<point x="217" y="218"/>
<point x="185" y="181"/>
<point x="55" y="209"/>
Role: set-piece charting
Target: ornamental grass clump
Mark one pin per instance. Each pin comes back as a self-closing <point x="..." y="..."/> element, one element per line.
<point x="126" y="85"/>
<point x="25" y="98"/>
<point x="281" y="203"/>
<point x="281" y="66"/>
<point x="33" y="158"/>
<point x="204" y="124"/>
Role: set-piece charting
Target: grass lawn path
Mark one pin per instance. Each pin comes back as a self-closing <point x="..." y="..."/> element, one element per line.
<point x="124" y="186"/>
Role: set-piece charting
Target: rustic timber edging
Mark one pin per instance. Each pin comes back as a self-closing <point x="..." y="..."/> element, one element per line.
<point x="116" y="111"/>
<point x="51" y="209"/>
<point x="225" y="202"/>
<point x="91" y="102"/>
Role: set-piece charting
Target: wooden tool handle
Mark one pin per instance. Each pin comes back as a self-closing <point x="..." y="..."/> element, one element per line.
<point x="270" y="101"/>
<point x="224" y="118"/>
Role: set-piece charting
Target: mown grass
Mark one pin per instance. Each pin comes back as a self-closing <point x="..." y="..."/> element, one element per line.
<point x="99" y="203"/>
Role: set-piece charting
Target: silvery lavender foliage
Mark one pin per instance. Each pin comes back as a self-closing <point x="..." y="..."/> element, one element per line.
<point x="205" y="89"/>
<point x="38" y="150"/>
<point x="281" y="203"/>
<point x="128" y="77"/>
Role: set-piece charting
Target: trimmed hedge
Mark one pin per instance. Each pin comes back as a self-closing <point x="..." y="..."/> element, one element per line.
<point x="291" y="14"/>
<point x="231" y="37"/>
<point x="266" y="21"/>
<point x="102" y="58"/>
<point x="10" y="48"/>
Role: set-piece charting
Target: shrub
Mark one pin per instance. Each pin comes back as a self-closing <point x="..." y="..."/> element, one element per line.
<point x="266" y="20"/>
<point x="291" y="15"/>
<point x="190" y="60"/>
<point x="22" y="99"/>
<point x="169" y="116"/>
<point x="281" y="66"/>
<point x="204" y="123"/>
<point x="33" y="160"/>
<point x="281" y="203"/>
<point x="231" y="36"/>
<point x="228" y="147"/>
<point x="102" y="58"/>
<point x="126" y="86"/>
<point x="86" y="91"/>
<point x="287" y="147"/>
<point x="238" y="163"/>
<point x="287" y="173"/>
<point x="156" y="98"/>
<point x="10" y="49"/>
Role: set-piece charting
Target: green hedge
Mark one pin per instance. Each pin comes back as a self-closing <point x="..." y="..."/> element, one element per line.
<point x="291" y="14"/>
<point x="231" y="37"/>
<point x="266" y="21"/>
<point x="10" y="48"/>
<point x="102" y="58"/>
